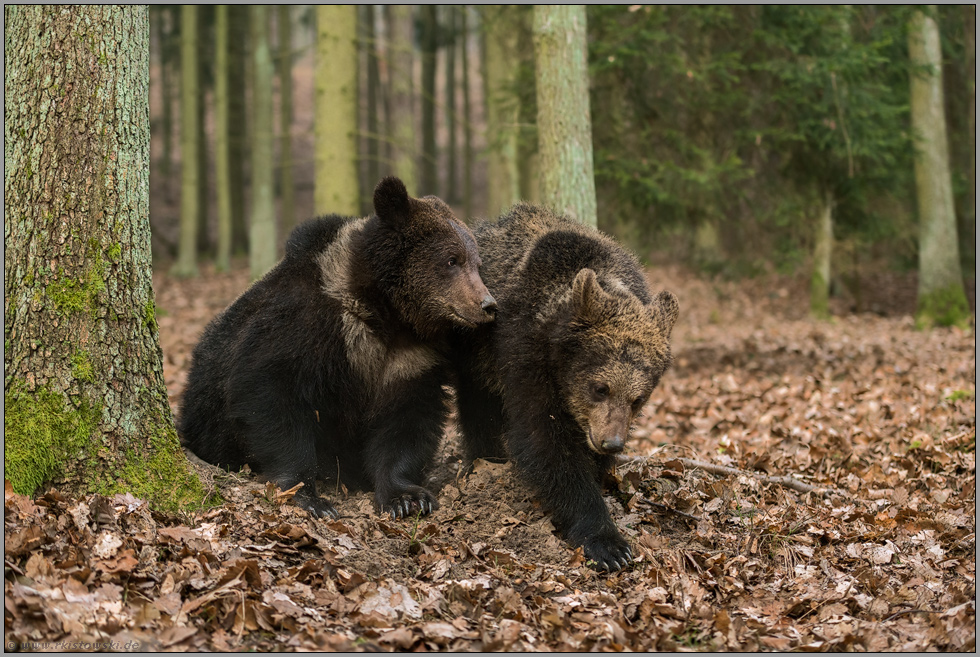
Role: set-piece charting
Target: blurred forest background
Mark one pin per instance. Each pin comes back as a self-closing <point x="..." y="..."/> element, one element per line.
<point x="739" y="140"/>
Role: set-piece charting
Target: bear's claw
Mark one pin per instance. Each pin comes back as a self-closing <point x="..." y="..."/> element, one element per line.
<point x="608" y="554"/>
<point x="406" y="505"/>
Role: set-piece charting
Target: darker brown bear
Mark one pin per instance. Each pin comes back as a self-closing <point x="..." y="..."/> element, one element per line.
<point x="333" y="364"/>
<point x="578" y="346"/>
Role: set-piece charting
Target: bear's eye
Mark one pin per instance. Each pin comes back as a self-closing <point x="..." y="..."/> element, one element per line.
<point x="453" y="261"/>
<point x="638" y="403"/>
<point x="600" y="390"/>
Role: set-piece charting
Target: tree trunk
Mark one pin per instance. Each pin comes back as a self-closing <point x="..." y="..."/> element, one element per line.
<point x="500" y="70"/>
<point x="262" y="229"/>
<point x="85" y="404"/>
<point x="222" y="163"/>
<point x="373" y="85"/>
<point x="164" y="36"/>
<point x="823" y="246"/>
<point x="941" y="298"/>
<point x="467" y="116"/>
<point x="336" y="187"/>
<point x="401" y="92"/>
<point x="186" y="264"/>
<point x="238" y="135"/>
<point x="564" y="124"/>
<point x="203" y="188"/>
<point x="285" y="37"/>
<point x="452" y="191"/>
<point x="428" y="183"/>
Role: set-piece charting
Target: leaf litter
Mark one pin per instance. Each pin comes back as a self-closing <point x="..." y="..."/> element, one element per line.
<point x="794" y="485"/>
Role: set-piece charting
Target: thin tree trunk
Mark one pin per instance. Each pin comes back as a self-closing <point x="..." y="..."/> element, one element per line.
<point x="373" y="85"/>
<point x="452" y="191"/>
<point x="428" y="183"/>
<point x="564" y="123"/>
<point x="336" y="187"/>
<point x="822" y="252"/>
<point x="941" y="298"/>
<point x="164" y="36"/>
<point x="500" y="69"/>
<point x="262" y="231"/>
<point x="186" y="264"/>
<point x="284" y="24"/>
<point x="203" y="188"/>
<point x="238" y="134"/>
<point x="467" y="116"/>
<point x="85" y="405"/>
<point x="221" y="137"/>
<point x="402" y="135"/>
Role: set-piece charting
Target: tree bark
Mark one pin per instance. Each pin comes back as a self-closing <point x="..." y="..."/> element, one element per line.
<point x="564" y="123"/>
<point x="262" y="229"/>
<point x="373" y="85"/>
<point x="238" y="135"/>
<point x="501" y="62"/>
<point x="941" y="298"/>
<point x="428" y="183"/>
<point x="822" y="251"/>
<point x="452" y="191"/>
<point x="336" y="187"/>
<point x="186" y="264"/>
<point x="467" y="116"/>
<point x="85" y="405"/>
<point x="222" y="163"/>
<point x="401" y="114"/>
<point x="203" y="187"/>
<point x="285" y="38"/>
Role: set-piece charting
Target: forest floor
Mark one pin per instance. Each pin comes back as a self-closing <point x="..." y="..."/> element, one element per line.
<point x="835" y="510"/>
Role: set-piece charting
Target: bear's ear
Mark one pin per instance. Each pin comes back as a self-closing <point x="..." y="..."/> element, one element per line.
<point x="665" y="306"/>
<point x="587" y="295"/>
<point x="391" y="202"/>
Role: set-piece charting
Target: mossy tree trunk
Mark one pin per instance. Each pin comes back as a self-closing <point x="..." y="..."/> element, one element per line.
<point x="285" y="38"/>
<point x="336" y="186"/>
<point x="186" y="264"/>
<point x="222" y="161"/>
<point x="401" y="115"/>
<point x="941" y="298"/>
<point x="84" y="396"/>
<point x="262" y="228"/>
<point x="564" y="122"/>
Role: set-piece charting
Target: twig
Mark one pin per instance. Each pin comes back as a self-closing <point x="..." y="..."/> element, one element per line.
<point x="786" y="481"/>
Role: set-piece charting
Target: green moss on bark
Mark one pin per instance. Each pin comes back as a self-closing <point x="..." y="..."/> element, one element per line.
<point x="945" y="307"/>
<point x="41" y="435"/>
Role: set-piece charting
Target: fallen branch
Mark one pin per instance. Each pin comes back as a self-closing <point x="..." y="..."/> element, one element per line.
<point x="781" y="480"/>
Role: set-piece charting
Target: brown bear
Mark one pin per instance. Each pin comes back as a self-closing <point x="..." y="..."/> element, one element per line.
<point x="578" y="346"/>
<point x="333" y="365"/>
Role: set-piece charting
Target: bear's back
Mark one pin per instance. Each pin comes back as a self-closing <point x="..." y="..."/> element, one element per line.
<point x="532" y="254"/>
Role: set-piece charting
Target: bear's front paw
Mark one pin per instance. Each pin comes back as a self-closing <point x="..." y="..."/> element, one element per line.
<point x="409" y="503"/>
<point x="318" y="507"/>
<point x="608" y="552"/>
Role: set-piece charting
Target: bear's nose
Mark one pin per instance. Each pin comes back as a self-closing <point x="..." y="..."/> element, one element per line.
<point x="489" y="304"/>
<point x="613" y="445"/>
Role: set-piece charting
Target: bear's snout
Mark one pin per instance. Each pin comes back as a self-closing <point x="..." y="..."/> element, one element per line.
<point x="489" y="305"/>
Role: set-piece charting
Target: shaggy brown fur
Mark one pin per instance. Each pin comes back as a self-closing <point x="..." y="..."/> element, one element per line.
<point x="334" y="364"/>
<point x="578" y="346"/>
